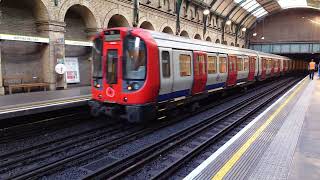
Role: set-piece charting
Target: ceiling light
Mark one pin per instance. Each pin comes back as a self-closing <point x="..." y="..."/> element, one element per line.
<point x="254" y="34"/>
<point x="206" y="12"/>
<point x="244" y="29"/>
<point x="262" y="37"/>
<point x="228" y="22"/>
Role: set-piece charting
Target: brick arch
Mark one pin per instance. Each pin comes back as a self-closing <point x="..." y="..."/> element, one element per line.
<point x="197" y="35"/>
<point x="209" y="39"/>
<point x="113" y="12"/>
<point x="147" y="25"/>
<point x="165" y="25"/>
<point x="184" y="33"/>
<point x="40" y="9"/>
<point x="87" y="12"/>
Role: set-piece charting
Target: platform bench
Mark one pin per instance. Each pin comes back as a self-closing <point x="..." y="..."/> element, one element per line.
<point x="17" y="82"/>
<point x="27" y="86"/>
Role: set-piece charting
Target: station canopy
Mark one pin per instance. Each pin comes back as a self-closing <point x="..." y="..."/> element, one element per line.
<point x="245" y="12"/>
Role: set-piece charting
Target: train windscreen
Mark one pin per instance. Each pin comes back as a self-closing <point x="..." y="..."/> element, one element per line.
<point x="134" y="58"/>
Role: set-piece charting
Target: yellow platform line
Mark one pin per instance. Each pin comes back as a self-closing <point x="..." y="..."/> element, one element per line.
<point x="233" y="160"/>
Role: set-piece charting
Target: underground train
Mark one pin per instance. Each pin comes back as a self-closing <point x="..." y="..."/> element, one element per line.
<point x="136" y="70"/>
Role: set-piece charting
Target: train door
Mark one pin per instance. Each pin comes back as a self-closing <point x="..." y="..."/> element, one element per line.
<point x="166" y="74"/>
<point x="199" y="72"/>
<point x="182" y="73"/>
<point x="278" y="67"/>
<point x="216" y="74"/>
<point x="111" y="67"/>
<point x="252" y="68"/>
<point x="284" y="66"/>
<point x="232" y="71"/>
<point x="242" y="69"/>
<point x="263" y="68"/>
<point x="272" y="64"/>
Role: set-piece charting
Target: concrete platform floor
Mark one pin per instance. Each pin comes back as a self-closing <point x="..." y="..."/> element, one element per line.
<point x="288" y="147"/>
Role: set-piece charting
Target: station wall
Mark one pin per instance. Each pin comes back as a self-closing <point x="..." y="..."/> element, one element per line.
<point x="291" y="25"/>
<point x="77" y="20"/>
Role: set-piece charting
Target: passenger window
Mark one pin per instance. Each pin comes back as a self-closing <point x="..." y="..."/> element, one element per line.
<point x="222" y="64"/>
<point x="269" y="64"/>
<point x="165" y="64"/>
<point x="185" y="65"/>
<point x="246" y="64"/>
<point x="212" y="64"/>
<point x="239" y="64"/>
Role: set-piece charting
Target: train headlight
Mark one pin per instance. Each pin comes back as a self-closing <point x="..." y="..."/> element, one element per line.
<point x="98" y="85"/>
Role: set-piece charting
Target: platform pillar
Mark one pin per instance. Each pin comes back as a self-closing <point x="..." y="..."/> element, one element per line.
<point x="1" y="81"/>
<point x="53" y="54"/>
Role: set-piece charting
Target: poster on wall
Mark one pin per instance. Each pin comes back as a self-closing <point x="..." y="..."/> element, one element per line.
<point x="72" y="73"/>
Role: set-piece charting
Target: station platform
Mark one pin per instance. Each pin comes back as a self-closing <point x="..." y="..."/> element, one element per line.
<point x="281" y="143"/>
<point x="16" y="105"/>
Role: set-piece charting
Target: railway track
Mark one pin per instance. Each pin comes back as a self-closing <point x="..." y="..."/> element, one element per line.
<point x="179" y="148"/>
<point x="41" y="127"/>
<point x="28" y="163"/>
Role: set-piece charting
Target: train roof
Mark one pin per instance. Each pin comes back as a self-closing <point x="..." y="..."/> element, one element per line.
<point x="177" y="42"/>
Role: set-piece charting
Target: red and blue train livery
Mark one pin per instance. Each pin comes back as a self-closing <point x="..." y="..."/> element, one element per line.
<point x="135" y="70"/>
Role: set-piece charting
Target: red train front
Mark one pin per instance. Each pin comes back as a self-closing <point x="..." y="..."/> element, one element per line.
<point x="125" y="79"/>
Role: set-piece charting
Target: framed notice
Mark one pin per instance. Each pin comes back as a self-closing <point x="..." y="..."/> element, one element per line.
<point x="72" y="73"/>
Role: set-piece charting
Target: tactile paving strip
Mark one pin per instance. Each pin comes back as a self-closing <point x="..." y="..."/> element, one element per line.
<point x="277" y="159"/>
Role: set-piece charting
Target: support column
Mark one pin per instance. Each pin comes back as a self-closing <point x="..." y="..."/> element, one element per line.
<point x="1" y="82"/>
<point x="53" y="54"/>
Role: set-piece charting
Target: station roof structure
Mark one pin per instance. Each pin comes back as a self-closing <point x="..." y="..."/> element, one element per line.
<point x="245" y="12"/>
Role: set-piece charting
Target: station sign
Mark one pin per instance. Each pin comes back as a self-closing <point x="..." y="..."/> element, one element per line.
<point x="24" y="38"/>
<point x="78" y="43"/>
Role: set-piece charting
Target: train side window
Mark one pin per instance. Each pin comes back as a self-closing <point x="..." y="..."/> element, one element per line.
<point x="212" y="64"/>
<point x="165" y="64"/>
<point x="239" y="64"/>
<point x="222" y="64"/>
<point x="246" y="64"/>
<point x="185" y="65"/>
<point x="269" y="64"/>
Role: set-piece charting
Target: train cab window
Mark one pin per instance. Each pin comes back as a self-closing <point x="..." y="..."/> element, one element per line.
<point x="246" y="64"/>
<point x="212" y="64"/>
<point x="134" y="58"/>
<point x="222" y="64"/>
<point x="239" y="64"/>
<point x="165" y="64"/>
<point x="185" y="65"/>
<point x="97" y="58"/>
